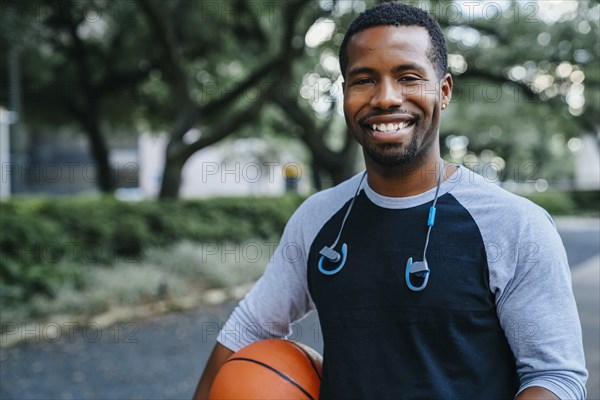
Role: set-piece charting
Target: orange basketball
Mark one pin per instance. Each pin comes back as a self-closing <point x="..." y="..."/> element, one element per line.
<point x="269" y="369"/>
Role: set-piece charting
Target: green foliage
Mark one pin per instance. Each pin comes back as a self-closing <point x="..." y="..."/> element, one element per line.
<point x="587" y="199"/>
<point x="525" y="73"/>
<point x="526" y="82"/>
<point x="568" y="202"/>
<point x="179" y="276"/>
<point x="47" y="243"/>
<point x="556" y="203"/>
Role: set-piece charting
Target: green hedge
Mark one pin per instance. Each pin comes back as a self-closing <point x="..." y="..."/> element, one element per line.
<point x="45" y="240"/>
<point x="576" y="202"/>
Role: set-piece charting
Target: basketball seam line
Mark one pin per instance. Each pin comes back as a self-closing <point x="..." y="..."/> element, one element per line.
<point x="309" y="358"/>
<point x="284" y="376"/>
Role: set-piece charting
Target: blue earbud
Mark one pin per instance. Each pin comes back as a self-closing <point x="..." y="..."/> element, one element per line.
<point x="328" y="251"/>
<point x="419" y="268"/>
<point x="333" y="256"/>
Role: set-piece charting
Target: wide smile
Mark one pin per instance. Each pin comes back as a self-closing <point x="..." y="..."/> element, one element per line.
<point x="390" y="130"/>
<point x="391" y="127"/>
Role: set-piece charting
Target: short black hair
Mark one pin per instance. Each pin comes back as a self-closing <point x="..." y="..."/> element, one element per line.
<point x="399" y="14"/>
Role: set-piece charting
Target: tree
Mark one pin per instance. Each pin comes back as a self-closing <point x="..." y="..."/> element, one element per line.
<point x="225" y="113"/>
<point x="80" y="63"/>
<point x="526" y="75"/>
<point x="526" y="80"/>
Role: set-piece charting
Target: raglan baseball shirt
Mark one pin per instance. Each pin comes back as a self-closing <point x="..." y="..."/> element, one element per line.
<point x="497" y="315"/>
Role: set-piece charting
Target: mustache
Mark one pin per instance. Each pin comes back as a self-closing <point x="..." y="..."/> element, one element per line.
<point x="378" y="113"/>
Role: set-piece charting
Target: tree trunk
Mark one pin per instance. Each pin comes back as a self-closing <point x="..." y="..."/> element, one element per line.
<point x="316" y="175"/>
<point x="171" y="179"/>
<point x="99" y="150"/>
<point x="340" y="166"/>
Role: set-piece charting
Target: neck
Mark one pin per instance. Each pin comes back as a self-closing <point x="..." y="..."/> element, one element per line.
<point x="404" y="181"/>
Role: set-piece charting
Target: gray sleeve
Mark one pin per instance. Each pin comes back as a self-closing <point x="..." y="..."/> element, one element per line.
<point x="536" y="306"/>
<point x="281" y="296"/>
<point x="530" y="278"/>
<point x="278" y="298"/>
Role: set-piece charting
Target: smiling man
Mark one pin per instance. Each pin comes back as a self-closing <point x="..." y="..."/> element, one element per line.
<point x="429" y="282"/>
<point x="393" y="97"/>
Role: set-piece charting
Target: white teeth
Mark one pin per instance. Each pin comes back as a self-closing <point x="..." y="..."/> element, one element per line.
<point x="389" y="127"/>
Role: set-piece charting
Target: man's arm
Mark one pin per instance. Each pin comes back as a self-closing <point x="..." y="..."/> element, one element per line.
<point x="538" y="312"/>
<point x="536" y="393"/>
<point x="217" y="358"/>
<point x="278" y="298"/>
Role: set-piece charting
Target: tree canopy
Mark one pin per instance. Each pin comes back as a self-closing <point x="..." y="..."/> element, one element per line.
<point x="526" y="77"/>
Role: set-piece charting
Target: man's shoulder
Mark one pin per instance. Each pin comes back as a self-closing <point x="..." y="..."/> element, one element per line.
<point x="487" y="200"/>
<point x="480" y="188"/>
<point x="318" y="208"/>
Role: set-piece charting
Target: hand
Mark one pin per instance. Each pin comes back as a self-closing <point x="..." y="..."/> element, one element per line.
<point x="536" y="393"/>
<point x="219" y="355"/>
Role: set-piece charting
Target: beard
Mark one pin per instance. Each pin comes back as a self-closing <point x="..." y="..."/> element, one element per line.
<point x="410" y="154"/>
<point x="398" y="154"/>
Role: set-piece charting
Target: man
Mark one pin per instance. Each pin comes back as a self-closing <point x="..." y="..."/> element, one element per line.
<point x="472" y="303"/>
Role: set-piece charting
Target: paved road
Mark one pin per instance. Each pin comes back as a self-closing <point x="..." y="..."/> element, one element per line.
<point x="161" y="358"/>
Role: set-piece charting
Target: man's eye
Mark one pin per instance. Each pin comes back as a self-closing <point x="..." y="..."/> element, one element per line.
<point x="363" y="81"/>
<point x="408" y="79"/>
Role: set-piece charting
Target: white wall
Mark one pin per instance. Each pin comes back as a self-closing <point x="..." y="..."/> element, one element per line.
<point x="587" y="164"/>
<point x="238" y="168"/>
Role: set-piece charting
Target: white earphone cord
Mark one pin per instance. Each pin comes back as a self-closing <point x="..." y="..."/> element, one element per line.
<point x="348" y="211"/>
<point x="437" y="191"/>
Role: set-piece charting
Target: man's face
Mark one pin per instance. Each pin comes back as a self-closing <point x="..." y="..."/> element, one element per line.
<point x="392" y="95"/>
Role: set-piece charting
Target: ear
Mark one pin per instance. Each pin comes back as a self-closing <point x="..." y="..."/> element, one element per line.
<point x="446" y="90"/>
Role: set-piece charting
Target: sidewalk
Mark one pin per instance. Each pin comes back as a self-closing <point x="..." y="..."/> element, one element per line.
<point x="586" y="281"/>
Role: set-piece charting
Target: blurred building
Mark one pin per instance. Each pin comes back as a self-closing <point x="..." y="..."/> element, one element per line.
<point x="587" y="164"/>
<point x="236" y="168"/>
<point x="59" y="162"/>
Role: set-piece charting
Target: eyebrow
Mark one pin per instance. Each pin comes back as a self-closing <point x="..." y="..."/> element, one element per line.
<point x="399" y="68"/>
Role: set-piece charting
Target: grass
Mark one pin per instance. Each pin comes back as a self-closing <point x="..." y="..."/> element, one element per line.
<point x="185" y="271"/>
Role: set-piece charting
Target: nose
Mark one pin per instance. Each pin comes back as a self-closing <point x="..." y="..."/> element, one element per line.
<point x="387" y="95"/>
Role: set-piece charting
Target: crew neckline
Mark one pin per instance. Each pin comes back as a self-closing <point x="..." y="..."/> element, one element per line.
<point x="412" y="201"/>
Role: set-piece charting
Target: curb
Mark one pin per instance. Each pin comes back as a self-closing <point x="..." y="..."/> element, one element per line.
<point x="24" y="330"/>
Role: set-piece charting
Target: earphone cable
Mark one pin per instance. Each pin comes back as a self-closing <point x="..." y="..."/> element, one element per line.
<point x="432" y="209"/>
<point x="348" y="211"/>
